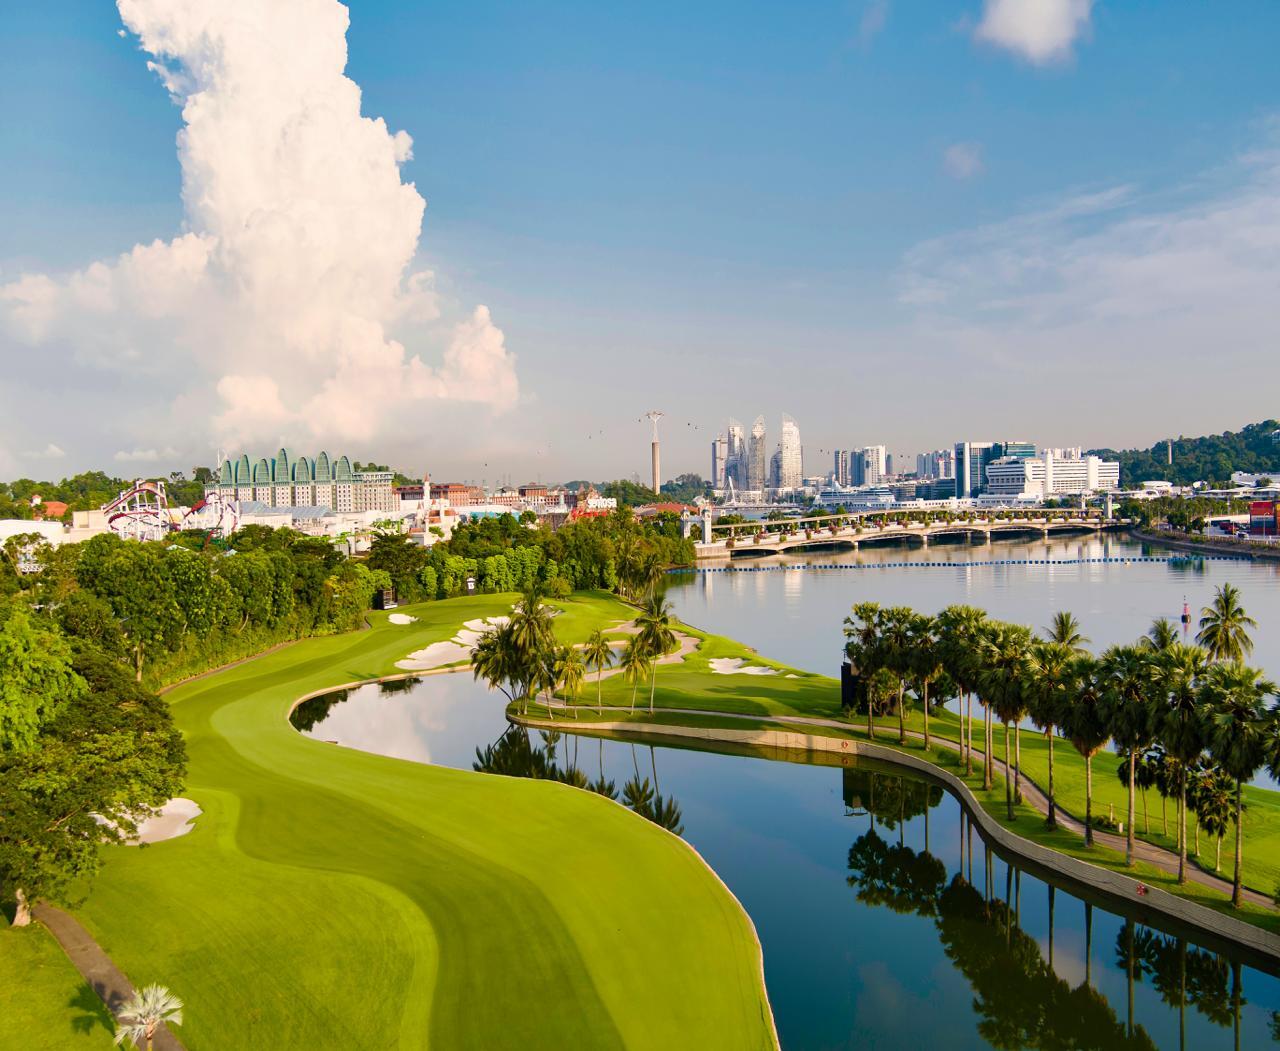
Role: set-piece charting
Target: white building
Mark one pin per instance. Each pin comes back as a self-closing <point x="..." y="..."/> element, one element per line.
<point x="719" y="461"/>
<point x="299" y="481"/>
<point x="791" y="456"/>
<point x="1047" y="476"/>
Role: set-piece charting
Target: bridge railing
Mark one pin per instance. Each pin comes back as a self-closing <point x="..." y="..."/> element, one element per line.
<point x="836" y="524"/>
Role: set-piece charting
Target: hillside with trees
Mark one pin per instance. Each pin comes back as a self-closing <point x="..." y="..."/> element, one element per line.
<point x="1213" y="458"/>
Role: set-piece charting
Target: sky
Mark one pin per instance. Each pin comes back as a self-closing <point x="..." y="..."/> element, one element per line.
<point x="482" y="239"/>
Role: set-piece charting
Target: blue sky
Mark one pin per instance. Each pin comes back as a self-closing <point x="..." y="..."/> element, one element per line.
<point x="886" y="219"/>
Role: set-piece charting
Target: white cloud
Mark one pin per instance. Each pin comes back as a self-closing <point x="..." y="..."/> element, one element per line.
<point x="875" y="13"/>
<point x="49" y="452"/>
<point x="145" y="455"/>
<point x="1040" y="31"/>
<point x="281" y="308"/>
<point x="963" y="160"/>
<point x="1142" y="288"/>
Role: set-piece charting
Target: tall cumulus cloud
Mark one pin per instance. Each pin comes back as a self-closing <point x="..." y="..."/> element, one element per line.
<point x="276" y="310"/>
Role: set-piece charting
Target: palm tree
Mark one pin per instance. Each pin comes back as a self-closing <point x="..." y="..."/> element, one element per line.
<point x="599" y="655"/>
<point x="655" y="635"/>
<point x="926" y="661"/>
<point x="863" y="648"/>
<point x="1049" y="688"/>
<point x="1129" y="682"/>
<point x="495" y="659"/>
<point x="1224" y="626"/>
<point x="1065" y="631"/>
<point x="1161" y="635"/>
<point x="635" y="663"/>
<point x="1003" y="678"/>
<point x="1233" y="702"/>
<point x="140" y="1016"/>
<point x="958" y="630"/>
<point x="1084" y="727"/>
<point x="1215" y="809"/>
<point x="1179" y="724"/>
<point x="570" y="672"/>
<point x="895" y="635"/>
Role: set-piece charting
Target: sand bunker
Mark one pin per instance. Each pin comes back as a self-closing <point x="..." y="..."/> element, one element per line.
<point x="458" y="648"/>
<point x="401" y="618"/>
<point x="173" y="820"/>
<point x="737" y="666"/>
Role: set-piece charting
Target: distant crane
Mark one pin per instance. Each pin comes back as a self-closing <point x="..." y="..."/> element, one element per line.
<point x="653" y="416"/>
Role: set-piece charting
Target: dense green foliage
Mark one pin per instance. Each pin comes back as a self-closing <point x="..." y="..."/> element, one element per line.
<point x="92" y="489"/>
<point x="1213" y="458"/>
<point x="629" y="493"/>
<point x="613" y="552"/>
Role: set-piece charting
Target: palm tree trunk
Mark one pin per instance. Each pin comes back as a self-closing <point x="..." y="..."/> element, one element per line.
<point x="871" y="726"/>
<point x="599" y="685"/>
<point x="1008" y="779"/>
<point x="1217" y="860"/>
<point x="986" y="746"/>
<point x="902" y="725"/>
<point x="1052" y="820"/>
<point x="1235" y="889"/>
<point x="1164" y="812"/>
<point x="1146" y="825"/>
<point x="653" y="683"/>
<point x="1182" y="824"/>
<point x="1088" y="800"/>
<point x="1088" y="943"/>
<point x="968" y="729"/>
<point x="1017" y="763"/>
<point x="1128" y="832"/>
<point x="926" y="716"/>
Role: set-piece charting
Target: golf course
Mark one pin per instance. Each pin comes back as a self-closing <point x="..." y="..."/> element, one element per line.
<point x="328" y="898"/>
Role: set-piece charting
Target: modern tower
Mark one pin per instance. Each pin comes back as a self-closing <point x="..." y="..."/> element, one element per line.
<point x="757" y="458"/>
<point x="791" y="456"/>
<point x="735" y="462"/>
<point x="653" y="416"/>
<point x="719" y="455"/>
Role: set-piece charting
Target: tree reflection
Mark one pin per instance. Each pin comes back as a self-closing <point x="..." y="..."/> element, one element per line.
<point x="891" y="799"/>
<point x="515" y="755"/>
<point x="307" y="715"/>
<point x="894" y="875"/>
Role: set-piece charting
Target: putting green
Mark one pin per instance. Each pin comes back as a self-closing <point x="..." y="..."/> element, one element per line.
<point x="331" y="899"/>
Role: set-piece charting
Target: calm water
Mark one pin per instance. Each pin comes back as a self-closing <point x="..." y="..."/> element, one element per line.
<point x="880" y="928"/>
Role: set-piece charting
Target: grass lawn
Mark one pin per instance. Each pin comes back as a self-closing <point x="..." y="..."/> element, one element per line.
<point x="44" y="1003"/>
<point x="329" y="898"/>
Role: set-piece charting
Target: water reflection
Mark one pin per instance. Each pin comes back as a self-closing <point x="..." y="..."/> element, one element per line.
<point x="516" y="755"/>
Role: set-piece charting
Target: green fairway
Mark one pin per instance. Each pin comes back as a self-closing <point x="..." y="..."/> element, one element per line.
<point x="45" y="1005"/>
<point x="329" y="898"/>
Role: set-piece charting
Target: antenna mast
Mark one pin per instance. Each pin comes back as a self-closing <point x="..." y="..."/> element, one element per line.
<point x="653" y="416"/>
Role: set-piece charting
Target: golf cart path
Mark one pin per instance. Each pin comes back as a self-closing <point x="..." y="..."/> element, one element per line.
<point x="95" y="966"/>
<point x="1161" y="858"/>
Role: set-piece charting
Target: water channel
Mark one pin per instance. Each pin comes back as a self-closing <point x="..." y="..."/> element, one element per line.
<point x="885" y="921"/>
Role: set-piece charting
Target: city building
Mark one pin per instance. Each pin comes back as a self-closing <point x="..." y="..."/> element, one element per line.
<point x="286" y="481"/>
<point x="840" y="467"/>
<point x="790" y="456"/>
<point x="867" y="465"/>
<point x="1047" y="476"/>
<point x="719" y="458"/>
<point x="971" y="459"/>
<point x="940" y="463"/>
<point x="735" y="460"/>
<point x="757" y="466"/>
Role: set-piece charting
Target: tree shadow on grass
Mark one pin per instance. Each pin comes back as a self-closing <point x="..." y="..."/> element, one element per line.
<point x="92" y="1012"/>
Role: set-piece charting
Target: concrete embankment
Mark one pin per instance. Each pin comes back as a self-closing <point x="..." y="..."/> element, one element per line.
<point x="1113" y="890"/>
<point x="1225" y="548"/>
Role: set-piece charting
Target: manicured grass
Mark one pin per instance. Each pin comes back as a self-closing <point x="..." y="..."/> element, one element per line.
<point x="329" y="898"/>
<point x="44" y="1003"/>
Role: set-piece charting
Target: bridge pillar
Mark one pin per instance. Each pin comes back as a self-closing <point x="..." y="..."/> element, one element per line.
<point x="924" y="539"/>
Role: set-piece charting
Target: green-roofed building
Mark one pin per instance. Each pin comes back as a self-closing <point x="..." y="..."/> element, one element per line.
<point x="288" y="480"/>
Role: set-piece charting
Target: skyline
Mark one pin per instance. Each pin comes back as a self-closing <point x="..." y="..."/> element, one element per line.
<point x="924" y="267"/>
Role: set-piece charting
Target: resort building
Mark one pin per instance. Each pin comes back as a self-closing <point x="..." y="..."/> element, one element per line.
<point x="288" y="481"/>
<point x="1048" y="476"/>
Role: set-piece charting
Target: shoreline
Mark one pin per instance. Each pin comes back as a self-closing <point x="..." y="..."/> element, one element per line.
<point x="1208" y="547"/>
<point x="1211" y="927"/>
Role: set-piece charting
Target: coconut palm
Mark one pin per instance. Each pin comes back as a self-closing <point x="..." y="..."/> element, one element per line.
<point x="1179" y="723"/>
<point x="1224" y="626"/>
<point x="1215" y="809"/>
<point x="1129" y="685"/>
<point x="570" y="672"/>
<point x="1064" y="629"/>
<point x="1005" y="653"/>
<point x="496" y="660"/>
<point x="635" y="664"/>
<point x="863" y="648"/>
<point x="1050" y="685"/>
<point x="925" y="658"/>
<point x="1084" y="727"/>
<point x="896" y="637"/>
<point x="598" y="654"/>
<point x="958" y="630"/>
<point x="655" y="635"/>
<point x="142" y="1015"/>
<point x="1233" y="700"/>
<point x="1161" y="635"/>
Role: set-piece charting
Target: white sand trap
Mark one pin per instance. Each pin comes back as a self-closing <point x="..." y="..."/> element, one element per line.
<point x="401" y="618"/>
<point x="174" y="820"/>
<point x="458" y="648"/>
<point x="737" y="666"/>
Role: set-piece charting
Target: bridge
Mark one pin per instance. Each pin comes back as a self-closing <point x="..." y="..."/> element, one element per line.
<point x="853" y="530"/>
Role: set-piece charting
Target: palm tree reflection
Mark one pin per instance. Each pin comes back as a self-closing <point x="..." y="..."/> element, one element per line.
<point x="515" y="754"/>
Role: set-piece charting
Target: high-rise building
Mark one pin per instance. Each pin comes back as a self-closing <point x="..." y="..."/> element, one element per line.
<point x="889" y="467"/>
<point x="791" y="456"/>
<point x="735" y="461"/>
<point x="1049" y="476"/>
<point x="756" y="456"/>
<point x="775" y="469"/>
<point x="867" y="465"/>
<point x="840" y="467"/>
<point x="719" y="453"/>
<point x="971" y="459"/>
<point x="937" y="464"/>
<point x="299" y="481"/>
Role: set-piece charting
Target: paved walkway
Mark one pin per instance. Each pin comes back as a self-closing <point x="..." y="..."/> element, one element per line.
<point x="1165" y="860"/>
<point x="103" y="976"/>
